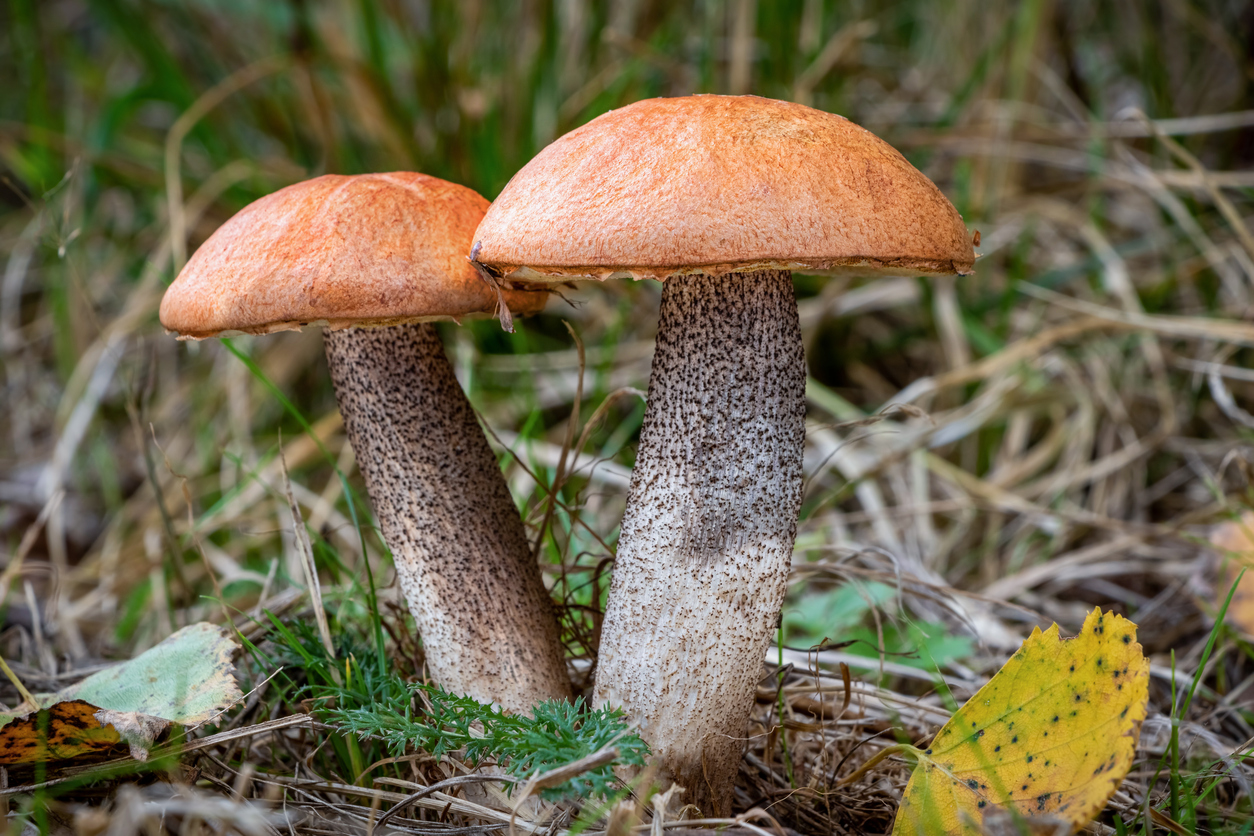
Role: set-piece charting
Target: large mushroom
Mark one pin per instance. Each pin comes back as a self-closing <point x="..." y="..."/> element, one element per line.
<point x="377" y="258"/>
<point x="720" y="197"/>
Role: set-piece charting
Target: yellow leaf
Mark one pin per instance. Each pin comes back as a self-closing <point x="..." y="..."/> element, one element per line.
<point x="1051" y="736"/>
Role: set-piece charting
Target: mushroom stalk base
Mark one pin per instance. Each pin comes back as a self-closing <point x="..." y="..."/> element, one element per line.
<point x="708" y="533"/>
<point x="486" y="620"/>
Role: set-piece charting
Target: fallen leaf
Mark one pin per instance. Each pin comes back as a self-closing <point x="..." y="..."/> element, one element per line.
<point x="1234" y="540"/>
<point x="186" y="679"/>
<point x="1050" y="737"/>
<point x="64" y="731"/>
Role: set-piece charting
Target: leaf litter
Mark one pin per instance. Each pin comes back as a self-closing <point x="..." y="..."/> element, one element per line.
<point x="187" y="679"/>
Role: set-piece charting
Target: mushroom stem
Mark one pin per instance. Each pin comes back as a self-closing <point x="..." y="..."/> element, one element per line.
<point x="461" y="554"/>
<point x="708" y="533"/>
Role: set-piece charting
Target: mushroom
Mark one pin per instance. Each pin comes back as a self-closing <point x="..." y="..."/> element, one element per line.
<point x="388" y="251"/>
<point x="719" y="197"/>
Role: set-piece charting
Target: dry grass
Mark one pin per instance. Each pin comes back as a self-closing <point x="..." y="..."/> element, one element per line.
<point x="1057" y="432"/>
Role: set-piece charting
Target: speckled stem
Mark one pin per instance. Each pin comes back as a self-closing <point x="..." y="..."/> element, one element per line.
<point x="711" y="518"/>
<point x="486" y="621"/>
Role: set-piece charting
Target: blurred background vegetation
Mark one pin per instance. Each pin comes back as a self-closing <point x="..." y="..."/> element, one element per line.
<point x="1049" y="460"/>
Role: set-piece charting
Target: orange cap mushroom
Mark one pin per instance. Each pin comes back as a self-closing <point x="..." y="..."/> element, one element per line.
<point x="719" y="197"/>
<point x="388" y="251"/>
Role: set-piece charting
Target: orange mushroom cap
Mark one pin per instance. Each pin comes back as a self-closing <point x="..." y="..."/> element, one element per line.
<point x="371" y="249"/>
<point x="719" y="184"/>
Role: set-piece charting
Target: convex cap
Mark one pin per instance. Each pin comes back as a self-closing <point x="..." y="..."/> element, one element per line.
<point x="371" y="249"/>
<point x="716" y="184"/>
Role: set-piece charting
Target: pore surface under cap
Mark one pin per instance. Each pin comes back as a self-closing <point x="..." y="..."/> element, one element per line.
<point x="720" y="183"/>
<point x="371" y="249"/>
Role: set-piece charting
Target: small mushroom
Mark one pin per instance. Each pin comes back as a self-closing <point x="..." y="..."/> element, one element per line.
<point x="388" y="251"/>
<point x="720" y="197"/>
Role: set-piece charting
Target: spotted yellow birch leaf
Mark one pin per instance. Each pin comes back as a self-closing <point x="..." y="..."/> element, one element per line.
<point x="1234" y="540"/>
<point x="1050" y="737"/>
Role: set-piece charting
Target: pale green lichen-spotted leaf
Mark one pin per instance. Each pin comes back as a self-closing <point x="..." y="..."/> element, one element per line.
<point x="1050" y="736"/>
<point x="186" y="679"/>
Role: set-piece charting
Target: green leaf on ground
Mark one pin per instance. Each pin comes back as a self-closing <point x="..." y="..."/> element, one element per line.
<point x="186" y="679"/>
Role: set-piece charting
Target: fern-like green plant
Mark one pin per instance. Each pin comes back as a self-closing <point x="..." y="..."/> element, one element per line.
<point x="555" y="734"/>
